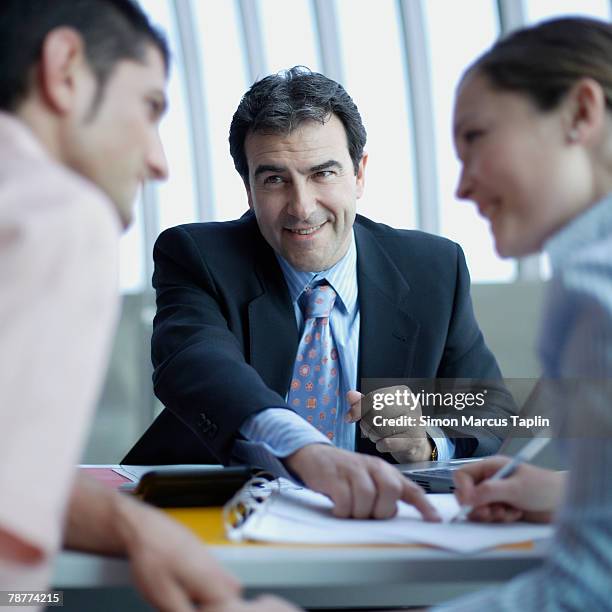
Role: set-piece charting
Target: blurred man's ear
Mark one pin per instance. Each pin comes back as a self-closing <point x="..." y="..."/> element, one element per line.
<point x="247" y="186"/>
<point x="360" y="176"/>
<point x="59" y="77"/>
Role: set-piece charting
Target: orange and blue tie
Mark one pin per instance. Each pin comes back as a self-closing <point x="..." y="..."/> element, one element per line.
<point x="315" y="388"/>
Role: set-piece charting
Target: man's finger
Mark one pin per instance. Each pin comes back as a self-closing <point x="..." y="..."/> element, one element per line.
<point x="363" y="495"/>
<point x="353" y="398"/>
<point x="341" y="494"/>
<point x="263" y="603"/>
<point x="390" y="487"/>
<point x="165" y="594"/>
<point x="413" y="494"/>
<point x="211" y="585"/>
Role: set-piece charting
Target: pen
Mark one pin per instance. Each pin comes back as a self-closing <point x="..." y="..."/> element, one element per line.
<point x="527" y="453"/>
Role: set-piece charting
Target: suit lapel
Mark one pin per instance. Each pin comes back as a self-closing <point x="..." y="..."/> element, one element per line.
<point x="388" y="332"/>
<point x="273" y="332"/>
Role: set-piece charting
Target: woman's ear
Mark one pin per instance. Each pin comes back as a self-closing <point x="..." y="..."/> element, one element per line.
<point x="585" y="112"/>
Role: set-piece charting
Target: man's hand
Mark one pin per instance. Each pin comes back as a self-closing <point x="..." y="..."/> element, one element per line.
<point x="265" y="603"/>
<point x="529" y="494"/>
<point x="170" y="565"/>
<point x="361" y="486"/>
<point x="406" y="443"/>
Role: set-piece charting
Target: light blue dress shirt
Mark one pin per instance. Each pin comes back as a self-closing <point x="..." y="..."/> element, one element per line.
<point x="575" y="344"/>
<point x="281" y="432"/>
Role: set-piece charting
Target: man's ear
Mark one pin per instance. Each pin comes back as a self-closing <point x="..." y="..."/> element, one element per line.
<point x="360" y="177"/>
<point x="62" y="66"/>
<point x="245" y="182"/>
<point x="585" y="112"/>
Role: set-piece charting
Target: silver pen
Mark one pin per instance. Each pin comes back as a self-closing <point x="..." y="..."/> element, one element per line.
<point x="527" y="453"/>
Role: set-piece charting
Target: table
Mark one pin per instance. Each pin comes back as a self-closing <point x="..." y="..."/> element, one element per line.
<point x="349" y="577"/>
<point x="314" y="577"/>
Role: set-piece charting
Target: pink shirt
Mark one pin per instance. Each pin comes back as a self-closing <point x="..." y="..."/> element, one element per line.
<point x="58" y="307"/>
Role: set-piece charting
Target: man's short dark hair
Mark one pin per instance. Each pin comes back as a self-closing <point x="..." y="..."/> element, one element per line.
<point x="279" y="103"/>
<point x="112" y="30"/>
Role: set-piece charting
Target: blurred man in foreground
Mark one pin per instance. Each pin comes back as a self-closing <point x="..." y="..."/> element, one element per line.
<point x="82" y="89"/>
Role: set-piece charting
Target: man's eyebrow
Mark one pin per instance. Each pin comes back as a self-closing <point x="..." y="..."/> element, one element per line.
<point x="330" y="163"/>
<point x="269" y="168"/>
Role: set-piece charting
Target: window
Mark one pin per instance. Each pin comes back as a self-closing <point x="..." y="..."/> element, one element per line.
<point x="131" y="254"/>
<point x="538" y="10"/>
<point x="288" y="32"/>
<point x="225" y="81"/>
<point x="375" y="79"/>
<point x="177" y="199"/>
<point x="458" y="32"/>
<point x="373" y="60"/>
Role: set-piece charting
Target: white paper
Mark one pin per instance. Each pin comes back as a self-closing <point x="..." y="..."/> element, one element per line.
<point x="295" y="515"/>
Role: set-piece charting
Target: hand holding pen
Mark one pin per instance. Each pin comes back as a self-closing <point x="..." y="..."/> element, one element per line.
<point x="503" y="489"/>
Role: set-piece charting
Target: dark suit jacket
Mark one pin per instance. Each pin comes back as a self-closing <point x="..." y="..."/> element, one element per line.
<point x="225" y="335"/>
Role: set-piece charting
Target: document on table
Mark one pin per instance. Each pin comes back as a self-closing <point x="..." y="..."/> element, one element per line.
<point x="297" y="515"/>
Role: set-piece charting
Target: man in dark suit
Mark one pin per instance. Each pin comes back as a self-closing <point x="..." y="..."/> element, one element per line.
<point x="231" y="314"/>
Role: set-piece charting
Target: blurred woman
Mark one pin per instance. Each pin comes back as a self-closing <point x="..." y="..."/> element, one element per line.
<point x="533" y="132"/>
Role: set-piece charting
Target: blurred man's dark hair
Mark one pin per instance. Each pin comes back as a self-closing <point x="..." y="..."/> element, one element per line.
<point x="112" y="30"/>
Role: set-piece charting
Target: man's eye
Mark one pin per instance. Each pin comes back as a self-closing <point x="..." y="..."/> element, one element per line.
<point x="273" y="180"/>
<point x="325" y="174"/>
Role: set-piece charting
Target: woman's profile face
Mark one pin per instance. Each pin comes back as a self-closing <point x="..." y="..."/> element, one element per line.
<point x="517" y="165"/>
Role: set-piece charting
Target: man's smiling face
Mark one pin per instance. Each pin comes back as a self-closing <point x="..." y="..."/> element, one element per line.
<point x="304" y="190"/>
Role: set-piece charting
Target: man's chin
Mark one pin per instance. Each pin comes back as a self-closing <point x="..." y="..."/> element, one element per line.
<point x="304" y="264"/>
<point x="125" y="212"/>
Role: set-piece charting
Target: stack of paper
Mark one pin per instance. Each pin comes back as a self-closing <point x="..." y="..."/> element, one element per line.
<point x="298" y="515"/>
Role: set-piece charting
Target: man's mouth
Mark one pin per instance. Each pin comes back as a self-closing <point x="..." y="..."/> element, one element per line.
<point x="305" y="231"/>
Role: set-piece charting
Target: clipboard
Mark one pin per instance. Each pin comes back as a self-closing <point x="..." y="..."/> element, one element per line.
<point x="281" y="512"/>
<point x="192" y="488"/>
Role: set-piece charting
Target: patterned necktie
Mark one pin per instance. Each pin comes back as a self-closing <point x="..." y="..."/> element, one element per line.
<point x="315" y="388"/>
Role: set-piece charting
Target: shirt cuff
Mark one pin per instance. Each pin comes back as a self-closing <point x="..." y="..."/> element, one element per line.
<point x="280" y="432"/>
<point x="257" y="455"/>
<point x="445" y="446"/>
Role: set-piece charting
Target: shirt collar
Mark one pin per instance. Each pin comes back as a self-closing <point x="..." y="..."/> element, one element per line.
<point x="20" y="136"/>
<point x="590" y="226"/>
<point x="342" y="276"/>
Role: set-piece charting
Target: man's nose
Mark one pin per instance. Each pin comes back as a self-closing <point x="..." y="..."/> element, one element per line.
<point x="157" y="164"/>
<point x="302" y="202"/>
